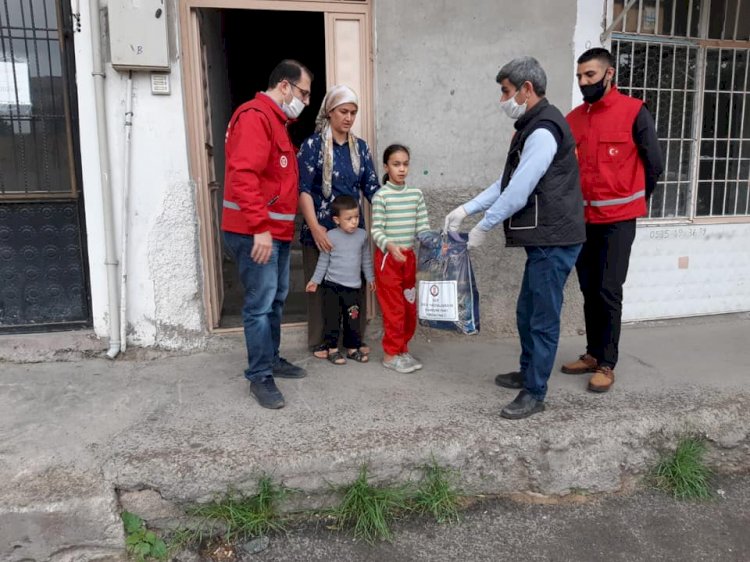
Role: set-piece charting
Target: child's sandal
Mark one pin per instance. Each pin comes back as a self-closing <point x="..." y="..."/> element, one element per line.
<point x="358" y="355"/>
<point x="336" y="358"/>
<point x="320" y="351"/>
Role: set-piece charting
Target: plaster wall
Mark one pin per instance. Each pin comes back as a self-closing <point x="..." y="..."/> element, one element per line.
<point x="164" y="280"/>
<point x="435" y="90"/>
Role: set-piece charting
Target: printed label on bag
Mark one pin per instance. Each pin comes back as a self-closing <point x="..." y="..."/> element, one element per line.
<point x="438" y="300"/>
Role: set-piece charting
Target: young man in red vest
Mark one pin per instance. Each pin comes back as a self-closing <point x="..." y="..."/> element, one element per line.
<point x="260" y="204"/>
<point x="620" y="163"/>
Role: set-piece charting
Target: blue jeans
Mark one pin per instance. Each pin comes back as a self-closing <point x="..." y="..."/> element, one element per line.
<point x="538" y="311"/>
<point x="266" y="287"/>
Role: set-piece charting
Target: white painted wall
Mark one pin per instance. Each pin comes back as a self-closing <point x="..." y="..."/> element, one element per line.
<point x="164" y="279"/>
<point x="688" y="270"/>
<point x="587" y="34"/>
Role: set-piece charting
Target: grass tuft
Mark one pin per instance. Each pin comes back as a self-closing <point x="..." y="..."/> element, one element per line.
<point x="368" y="510"/>
<point x="246" y="516"/>
<point x="684" y="473"/>
<point x="436" y="494"/>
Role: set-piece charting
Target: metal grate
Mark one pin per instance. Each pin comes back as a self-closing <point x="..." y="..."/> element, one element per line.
<point x="664" y="76"/>
<point x="34" y="124"/>
<point x="724" y="170"/>
<point x="691" y="68"/>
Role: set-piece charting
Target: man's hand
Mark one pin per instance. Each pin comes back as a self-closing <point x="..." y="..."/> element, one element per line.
<point x="371" y="286"/>
<point x="262" y="248"/>
<point x="311" y="287"/>
<point x="396" y="252"/>
<point x="476" y="237"/>
<point x="320" y="235"/>
<point x="454" y="218"/>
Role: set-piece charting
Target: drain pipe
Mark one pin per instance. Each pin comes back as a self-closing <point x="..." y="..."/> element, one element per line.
<point x="110" y="257"/>
<point x="125" y="210"/>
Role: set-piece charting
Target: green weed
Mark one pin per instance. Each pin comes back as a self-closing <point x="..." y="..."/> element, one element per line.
<point x="368" y="510"/>
<point x="246" y="516"/>
<point x="684" y="473"/>
<point x="436" y="493"/>
<point x="141" y="543"/>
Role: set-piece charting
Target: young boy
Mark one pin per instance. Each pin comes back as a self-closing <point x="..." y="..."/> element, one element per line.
<point x="340" y="275"/>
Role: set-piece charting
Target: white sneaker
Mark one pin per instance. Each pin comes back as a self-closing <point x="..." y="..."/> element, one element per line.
<point x="412" y="360"/>
<point x="399" y="364"/>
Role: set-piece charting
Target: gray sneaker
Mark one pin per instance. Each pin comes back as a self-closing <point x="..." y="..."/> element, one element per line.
<point x="399" y="364"/>
<point x="411" y="360"/>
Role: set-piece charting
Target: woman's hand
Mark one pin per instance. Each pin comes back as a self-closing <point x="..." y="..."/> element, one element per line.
<point x="396" y="252"/>
<point x="311" y="287"/>
<point x="320" y="235"/>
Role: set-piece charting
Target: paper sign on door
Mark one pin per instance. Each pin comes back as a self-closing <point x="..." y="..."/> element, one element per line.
<point x="438" y="300"/>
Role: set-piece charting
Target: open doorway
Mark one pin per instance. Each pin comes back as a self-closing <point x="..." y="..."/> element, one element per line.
<point x="240" y="49"/>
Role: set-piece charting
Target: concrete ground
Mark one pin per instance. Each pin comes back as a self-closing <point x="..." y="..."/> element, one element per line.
<point x="77" y="437"/>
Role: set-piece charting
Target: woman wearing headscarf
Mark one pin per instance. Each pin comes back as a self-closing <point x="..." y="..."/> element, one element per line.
<point x="332" y="162"/>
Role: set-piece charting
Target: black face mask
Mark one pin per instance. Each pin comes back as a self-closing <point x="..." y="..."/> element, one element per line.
<point x="592" y="93"/>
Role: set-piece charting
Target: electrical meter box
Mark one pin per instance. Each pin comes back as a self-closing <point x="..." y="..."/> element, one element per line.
<point x="138" y="34"/>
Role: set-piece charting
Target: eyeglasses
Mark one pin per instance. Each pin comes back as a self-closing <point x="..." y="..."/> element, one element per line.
<point x="305" y="93"/>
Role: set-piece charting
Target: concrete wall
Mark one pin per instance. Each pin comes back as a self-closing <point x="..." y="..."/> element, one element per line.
<point x="436" y="63"/>
<point x="164" y="276"/>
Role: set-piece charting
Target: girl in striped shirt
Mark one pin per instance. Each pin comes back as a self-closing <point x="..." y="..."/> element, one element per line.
<point x="398" y="215"/>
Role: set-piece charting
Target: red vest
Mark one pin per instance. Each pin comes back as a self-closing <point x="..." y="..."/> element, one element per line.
<point x="613" y="179"/>
<point x="262" y="178"/>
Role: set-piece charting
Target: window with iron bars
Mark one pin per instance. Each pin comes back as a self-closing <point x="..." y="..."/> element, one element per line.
<point x="689" y="62"/>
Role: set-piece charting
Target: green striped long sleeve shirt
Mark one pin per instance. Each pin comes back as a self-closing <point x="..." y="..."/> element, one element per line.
<point x="398" y="215"/>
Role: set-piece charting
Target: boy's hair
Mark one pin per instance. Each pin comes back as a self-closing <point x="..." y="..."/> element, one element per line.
<point x="392" y="149"/>
<point x="343" y="203"/>
<point x="288" y="69"/>
<point x="597" y="53"/>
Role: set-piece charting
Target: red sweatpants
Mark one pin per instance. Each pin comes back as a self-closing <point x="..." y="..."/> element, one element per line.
<point x="397" y="296"/>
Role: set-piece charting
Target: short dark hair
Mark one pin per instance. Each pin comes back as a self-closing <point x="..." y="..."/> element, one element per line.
<point x="524" y="69"/>
<point x="597" y="53"/>
<point x="288" y="69"/>
<point x="343" y="203"/>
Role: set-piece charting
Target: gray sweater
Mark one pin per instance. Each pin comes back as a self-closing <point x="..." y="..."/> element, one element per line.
<point x="350" y="255"/>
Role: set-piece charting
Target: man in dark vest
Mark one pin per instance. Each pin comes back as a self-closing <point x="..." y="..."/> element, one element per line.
<point x="538" y="200"/>
<point x="620" y="161"/>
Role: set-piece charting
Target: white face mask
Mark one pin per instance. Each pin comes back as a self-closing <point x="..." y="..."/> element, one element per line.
<point x="513" y="109"/>
<point x="294" y="108"/>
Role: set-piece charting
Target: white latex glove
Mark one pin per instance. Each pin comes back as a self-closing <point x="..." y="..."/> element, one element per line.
<point x="454" y="218"/>
<point x="476" y="237"/>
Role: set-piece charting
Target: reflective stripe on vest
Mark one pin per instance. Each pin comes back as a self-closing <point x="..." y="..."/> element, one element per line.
<point x="620" y="201"/>
<point x="271" y="215"/>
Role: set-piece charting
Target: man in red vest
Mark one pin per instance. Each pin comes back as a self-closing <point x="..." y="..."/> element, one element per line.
<point x="260" y="204"/>
<point x="620" y="163"/>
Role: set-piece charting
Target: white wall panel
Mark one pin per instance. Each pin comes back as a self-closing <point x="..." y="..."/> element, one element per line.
<point x="688" y="270"/>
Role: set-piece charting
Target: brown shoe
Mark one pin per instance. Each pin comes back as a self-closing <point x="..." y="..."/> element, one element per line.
<point x="602" y="380"/>
<point x="585" y="364"/>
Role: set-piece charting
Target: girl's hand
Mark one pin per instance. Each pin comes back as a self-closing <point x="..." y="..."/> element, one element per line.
<point x="395" y="251"/>
<point x="311" y="287"/>
<point x="371" y="286"/>
<point x="320" y="235"/>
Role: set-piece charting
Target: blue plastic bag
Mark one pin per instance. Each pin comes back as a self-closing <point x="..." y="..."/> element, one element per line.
<point x="447" y="291"/>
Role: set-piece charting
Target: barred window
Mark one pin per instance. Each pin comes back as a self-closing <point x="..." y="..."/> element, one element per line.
<point x="691" y="69"/>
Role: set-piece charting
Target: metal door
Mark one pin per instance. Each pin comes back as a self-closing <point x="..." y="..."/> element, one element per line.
<point x="43" y="273"/>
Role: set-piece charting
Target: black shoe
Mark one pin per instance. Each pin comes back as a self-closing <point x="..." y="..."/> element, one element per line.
<point x="285" y="370"/>
<point x="513" y="379"/>
<point x="523" y="406"/>
<point x="267" y="394"/>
